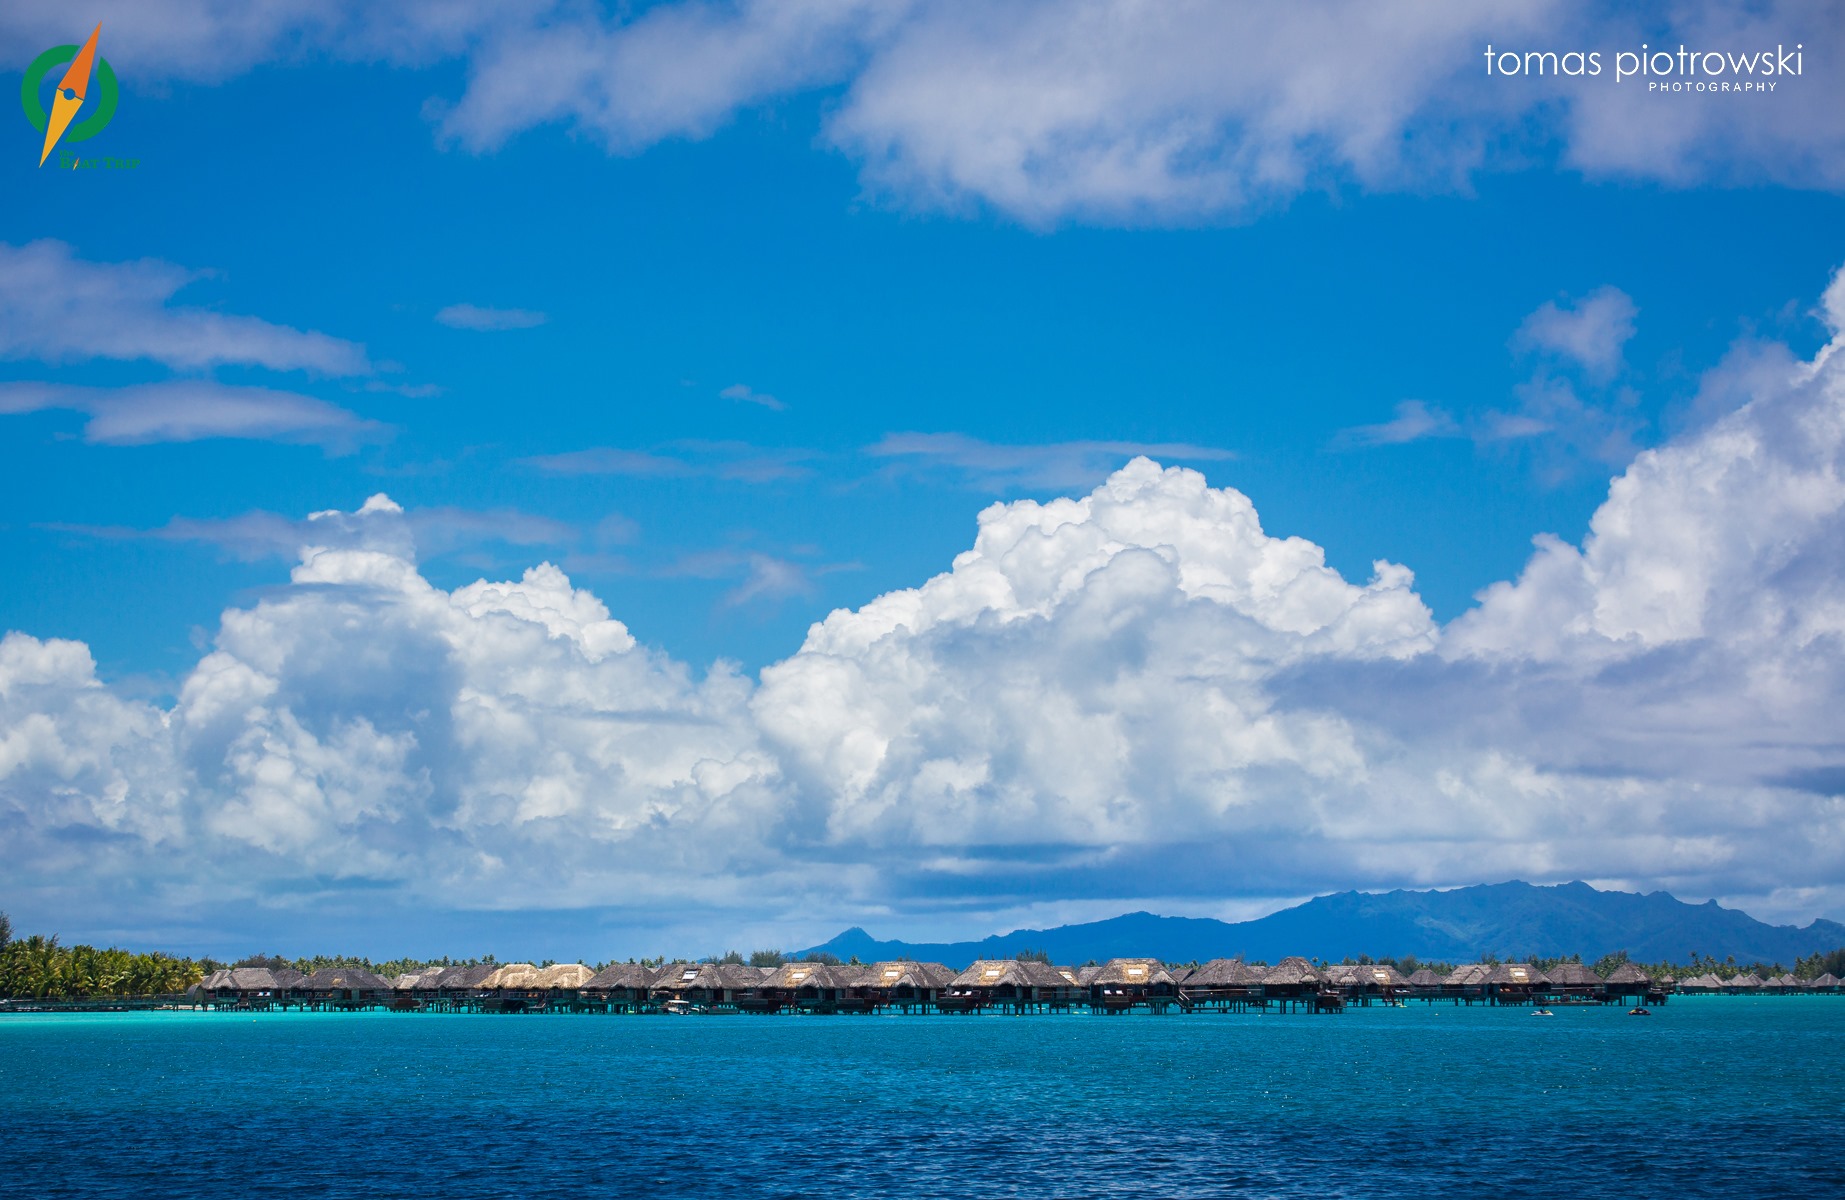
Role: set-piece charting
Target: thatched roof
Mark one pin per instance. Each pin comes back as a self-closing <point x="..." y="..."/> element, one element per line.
<point x="434" y="979"/>
<point x="996" y="972"/>
<point x="512" y="975"/>
<point x="628" y="976"/>
<point x="329" y="979"/>
<point x="740" y="976"/>
<point x="1086" y="975"/>
<point x="1628" y="973"/>
<point x="1365" y="975"/>
<point x="1573" y="975"/>
<point x="564" y="975"/>
<point x="1827" y="980"/>
<point x="1468" y="975"/>
<point x="1703" y="981"/>
<point x="1128" y="972"/>
<point x="287" y="977"/>
<point x="250" y="979"/>
<point x="685" y="976"/>
<point x="1751" y="980"/>
<point x="1515" y="975"/>
<point x="466" y="978"/>
<point x="791" y="977"/>
<point x="1425" y="978"/>
<point x="904" y="972"/>
<point x="1783" y="982"/>
<point x="1291" y="971"/>
<point x="1224" y="972"/>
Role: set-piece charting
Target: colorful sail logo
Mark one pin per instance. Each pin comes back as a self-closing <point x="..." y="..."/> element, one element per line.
<point x="88" y="86"/>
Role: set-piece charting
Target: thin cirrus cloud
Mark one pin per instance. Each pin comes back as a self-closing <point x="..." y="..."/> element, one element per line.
<point x="1126" y="691"/>
<point x="57" y="308"/>
<point x="423" y="532"/>
<point x="1051" y="464"/>
<point x="735" y="462"/>
<point x="190" y="410"/>
<point x="489" y="320"/>
<point x="1414" y="420"/>
<point x="743" y="393"/>
<point x="1106" y="111"/>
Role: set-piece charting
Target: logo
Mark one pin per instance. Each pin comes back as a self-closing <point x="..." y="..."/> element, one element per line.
<point x="76" y="91"/>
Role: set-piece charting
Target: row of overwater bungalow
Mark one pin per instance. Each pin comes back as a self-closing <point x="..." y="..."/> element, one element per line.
<point x="1751" y="984"/>
<point x="996" y="985"/>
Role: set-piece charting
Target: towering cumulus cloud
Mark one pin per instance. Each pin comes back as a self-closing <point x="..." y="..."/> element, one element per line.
<point x="1133" y="695"/>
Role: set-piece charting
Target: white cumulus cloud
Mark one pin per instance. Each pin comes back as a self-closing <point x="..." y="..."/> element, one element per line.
<point x="1134" y="693"/>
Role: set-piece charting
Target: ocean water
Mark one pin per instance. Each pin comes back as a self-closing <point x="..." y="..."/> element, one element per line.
<point x="1709" y="1096"/>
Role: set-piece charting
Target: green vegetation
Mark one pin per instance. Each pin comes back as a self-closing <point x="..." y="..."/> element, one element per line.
<point x="767" y="958"/>
<point x="40" y="968"/>
<point x="1042" y="956"/>
<point x="1813" y="966"/>
<point x="389" y="969"/>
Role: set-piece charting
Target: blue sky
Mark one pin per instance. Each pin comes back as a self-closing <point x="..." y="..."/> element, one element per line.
<point x="772" y="340"/>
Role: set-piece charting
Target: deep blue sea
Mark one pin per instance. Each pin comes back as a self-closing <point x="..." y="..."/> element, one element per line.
<point x="1709" y="1096"/>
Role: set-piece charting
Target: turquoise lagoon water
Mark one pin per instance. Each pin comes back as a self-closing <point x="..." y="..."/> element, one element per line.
<point x="1706" y="1097"/>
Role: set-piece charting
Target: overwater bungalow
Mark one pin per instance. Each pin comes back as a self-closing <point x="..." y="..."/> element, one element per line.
<point x="1701" y="984"/>
<point x="1466" y="982"/>
<point x="248" y="987"/>
<point x="1011" y="985"/>
<point x="1366" y="983"/>
<point x="1781" y="983"/>
<point x="710" y="986"/>
<point x="1573" y="983"/>
<point x="1296" y="983"/>
<point x="343" y="987"/>
<point x="809" y="987"/>
<point x="1423" y="981"/>
<point x="619" y="988"/>
<point x="1825" y="983"/>
<point x="907" y="985"/>
<point x="460" y="987"/>
<point x="1746" y="984"/>
<point x="1222" y="984"/>
<point x="1124" y="983"/>
<point x="1627" y="980"/>
<point x="1513" y="983"/>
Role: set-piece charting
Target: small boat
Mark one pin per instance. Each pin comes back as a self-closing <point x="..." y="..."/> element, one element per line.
<point x="1639" y="1012"/>
<point x="1542" y="1012"/>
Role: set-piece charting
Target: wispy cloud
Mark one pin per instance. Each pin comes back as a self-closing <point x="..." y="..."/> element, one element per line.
<point x="1574" y="409"/>
<point x="190" y="410"/>
<point x="736" y="462"/>
<point x="56" y="307"/>
<point x="1049" y="464"/>
<point x="1589" y="333"/>
<point x="433" y="531"/>
<point x="745" y="394"/>
<point x="1413" y="422"/>
<point x="489" y="320"/>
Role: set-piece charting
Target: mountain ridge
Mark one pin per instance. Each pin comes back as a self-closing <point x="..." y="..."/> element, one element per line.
<point x="1512" y="919"/>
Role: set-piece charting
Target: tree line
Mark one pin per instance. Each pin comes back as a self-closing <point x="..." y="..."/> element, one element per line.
<point x="42" y="968"/>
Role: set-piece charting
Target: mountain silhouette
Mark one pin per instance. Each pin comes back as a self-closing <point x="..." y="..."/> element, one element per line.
<point x="1507" y="920"/>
